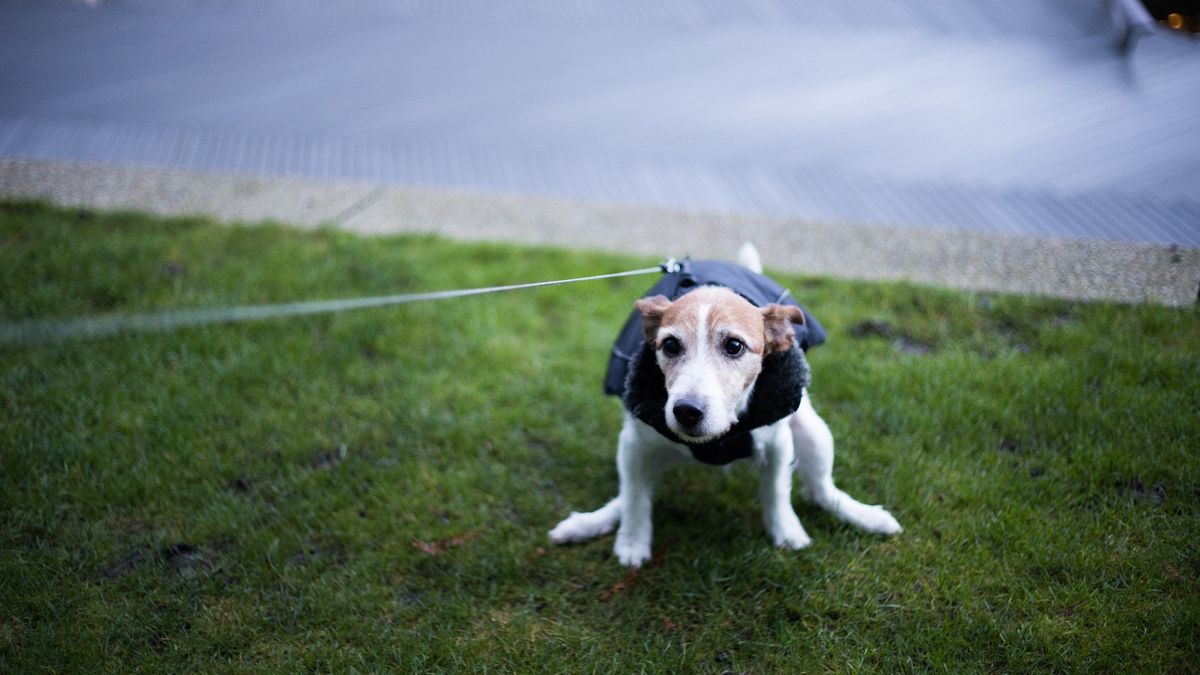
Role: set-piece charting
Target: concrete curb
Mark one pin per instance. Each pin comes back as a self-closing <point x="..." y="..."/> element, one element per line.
<point x="1057" y="267"/>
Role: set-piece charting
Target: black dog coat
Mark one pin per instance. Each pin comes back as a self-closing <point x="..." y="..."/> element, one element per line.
<point x="634" y="375"/>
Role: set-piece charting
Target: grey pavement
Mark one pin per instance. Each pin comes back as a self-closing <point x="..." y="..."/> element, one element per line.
<point x="1014" y="117"/>
<point x="992" y="146"/>
<point x="984" y="261"/>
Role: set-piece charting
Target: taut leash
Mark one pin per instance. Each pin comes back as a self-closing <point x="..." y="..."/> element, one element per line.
<point x="34" y="331"/>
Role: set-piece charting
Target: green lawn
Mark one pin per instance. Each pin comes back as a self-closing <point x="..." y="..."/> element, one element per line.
<point x="372" y="490"/>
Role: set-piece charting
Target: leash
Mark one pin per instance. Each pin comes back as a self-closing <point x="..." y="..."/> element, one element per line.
<point x="34" y="331"/>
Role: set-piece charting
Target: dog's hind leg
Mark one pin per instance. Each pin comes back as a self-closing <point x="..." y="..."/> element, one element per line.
<point x="814" y="462"/>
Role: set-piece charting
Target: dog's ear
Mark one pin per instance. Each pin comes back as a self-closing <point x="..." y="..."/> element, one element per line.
<point x="652" y="309"/>
<point x="777" y="326"/>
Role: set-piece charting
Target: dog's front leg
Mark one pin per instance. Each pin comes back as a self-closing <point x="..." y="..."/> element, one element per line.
<point x="639" y="463"/>
<point x="775" y="492"/>
<point x="638" y="467"/>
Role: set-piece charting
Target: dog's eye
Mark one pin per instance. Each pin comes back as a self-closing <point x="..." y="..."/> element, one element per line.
<point x="670" y="346"/>
<point x="734" y="347"/>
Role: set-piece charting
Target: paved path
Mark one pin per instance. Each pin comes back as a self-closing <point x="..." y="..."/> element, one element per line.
<point x="983" y="261"/>
<point x="1012" y="117"/>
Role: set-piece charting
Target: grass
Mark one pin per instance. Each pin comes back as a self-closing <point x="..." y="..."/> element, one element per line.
<point x="371" y="491"/>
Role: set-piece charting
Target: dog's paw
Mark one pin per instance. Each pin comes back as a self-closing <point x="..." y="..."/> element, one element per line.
<point x="566" y="532"/>
<point x="789" y="534"/>
<point x="631" y="552"/>
<point x="877" y="520"/>
<point x="579" y="527"/>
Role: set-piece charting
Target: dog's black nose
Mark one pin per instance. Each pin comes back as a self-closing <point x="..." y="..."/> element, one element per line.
<point x="689" y="412"/>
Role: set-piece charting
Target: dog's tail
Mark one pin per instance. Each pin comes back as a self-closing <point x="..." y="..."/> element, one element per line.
<point x="748" y="257"/>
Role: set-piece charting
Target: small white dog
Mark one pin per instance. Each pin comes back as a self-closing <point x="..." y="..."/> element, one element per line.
<point x="691" y="394"/>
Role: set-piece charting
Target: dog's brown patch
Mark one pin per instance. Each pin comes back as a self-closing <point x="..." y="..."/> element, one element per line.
<point x="727" y="312"/>
<point x="652" y="310"/>
<point x="777" y="325"/>
<point x="765" y="330"/>
<point x="732" y="315"/>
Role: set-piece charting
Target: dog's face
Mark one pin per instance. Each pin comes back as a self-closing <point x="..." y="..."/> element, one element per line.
<point x="710" y="346"/>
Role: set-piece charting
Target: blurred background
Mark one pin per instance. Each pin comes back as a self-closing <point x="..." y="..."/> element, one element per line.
<point x="1074" y="118"/>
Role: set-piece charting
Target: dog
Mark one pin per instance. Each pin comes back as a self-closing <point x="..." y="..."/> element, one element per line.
<point x="719" y="379"/>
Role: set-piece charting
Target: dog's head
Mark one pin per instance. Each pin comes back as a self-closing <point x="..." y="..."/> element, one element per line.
<point x="710" y="346"/>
